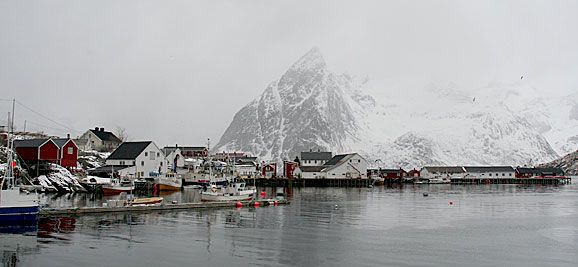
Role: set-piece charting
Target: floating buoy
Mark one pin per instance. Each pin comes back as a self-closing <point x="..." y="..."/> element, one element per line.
<point x="257" y="204"/>
<point x="275" y="203"/>
<point x="239" y="204"/>
<point x="425" y="194"/>
<point x="263" y="194"/>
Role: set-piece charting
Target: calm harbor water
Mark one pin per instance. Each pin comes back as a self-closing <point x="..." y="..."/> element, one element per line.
<point x="486" y="225"/>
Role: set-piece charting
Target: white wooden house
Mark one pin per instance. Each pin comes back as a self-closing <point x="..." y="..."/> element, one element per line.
<point x="429" y="172"/>
<point x="174" y="158"/>
<point x="346" y="166"/>
<point x="315" y="158"/>
<point x="490" y="172"/>
<point x="137" y="160"/>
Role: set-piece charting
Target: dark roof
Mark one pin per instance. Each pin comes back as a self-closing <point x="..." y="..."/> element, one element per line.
<point x="444" y="169"/>
<point x="489" y="169"/>
<point x="554" y="171"/>
<point x="247" y="159"/>
<point x="311" y="168"/>
<point x="315" y="155"/>
<point x="30" y="142"/>
<point x="60" y="142"/>
<point x="129" y="150"/>
<point x="335" y="160"/>
<point x="107" y="169"/>
<point x="105" y="136"/>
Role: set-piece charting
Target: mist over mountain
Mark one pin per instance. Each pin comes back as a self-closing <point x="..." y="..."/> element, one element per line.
<point x="310" y="107"/>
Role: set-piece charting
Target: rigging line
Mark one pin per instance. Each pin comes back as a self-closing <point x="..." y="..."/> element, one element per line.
<point x="43" y="116"/>
<point x="45" y="126"/>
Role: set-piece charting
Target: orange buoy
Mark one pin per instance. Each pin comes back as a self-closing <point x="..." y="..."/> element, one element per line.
<point x="239" y="204"/>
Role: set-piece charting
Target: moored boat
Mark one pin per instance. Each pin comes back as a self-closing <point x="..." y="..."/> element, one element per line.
<point x="116" y="187"/>
<point x="169" y="182"/>
<point x="235" y="191"/>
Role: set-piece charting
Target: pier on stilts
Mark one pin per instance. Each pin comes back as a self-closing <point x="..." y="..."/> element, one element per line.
<point x="285" y="182"/>
<point x="557" y="180"/>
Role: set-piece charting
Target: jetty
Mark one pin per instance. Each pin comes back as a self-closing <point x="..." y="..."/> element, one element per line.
<point x="162" y="207"/>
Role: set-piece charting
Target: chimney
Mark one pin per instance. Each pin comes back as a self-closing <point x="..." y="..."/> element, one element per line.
<point x="311" y="150"/>
<point x="67" y="136"/>
<point x="102" y="129"/>
<point x="96" y="129"/>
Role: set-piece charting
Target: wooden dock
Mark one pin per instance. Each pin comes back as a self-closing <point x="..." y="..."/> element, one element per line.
<point x="162" y="207"/>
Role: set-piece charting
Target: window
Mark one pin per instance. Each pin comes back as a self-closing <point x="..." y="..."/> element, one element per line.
<point x="158" y="154"/>
<point x="315" y="161"/>
<point x="497" y="174"/>
<point x="142" y="163"/>
<point x="146" y="154"/>
<point x="503" y="174"/>
<point x="490" y="174"/>
<point x="161" y="163"/>
<point x="509" y="174"/>
<point x="121" y="162"/>
<point x="70" y="150"/>
<point x="358" y="161"/>
<point x="152" y="155"/>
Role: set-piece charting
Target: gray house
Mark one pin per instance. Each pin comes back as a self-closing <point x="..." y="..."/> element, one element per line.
<point x="98" y="139"/>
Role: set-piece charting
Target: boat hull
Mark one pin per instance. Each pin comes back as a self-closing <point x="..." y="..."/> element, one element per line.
<point x="22" y="215"/>
<point x="116" y="191"/>
<point x="166" y="187"/>
<point x="225" y="198"/>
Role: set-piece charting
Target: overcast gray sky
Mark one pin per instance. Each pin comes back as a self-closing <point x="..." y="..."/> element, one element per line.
<point x="177" y="71"/>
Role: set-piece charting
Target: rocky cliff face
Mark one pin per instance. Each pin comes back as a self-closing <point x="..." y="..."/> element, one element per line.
<point x="306" y="108"/>
<point x="311" y="108"/>
<point x="568" y="163"/>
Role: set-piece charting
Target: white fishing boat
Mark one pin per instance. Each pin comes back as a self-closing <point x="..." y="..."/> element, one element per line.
<point x="117" y="186"/>
<point x="236" y="191"/>
<point x="16" y="208"/>
<point x="169" y="182"/>
<point x="232" y="190"/>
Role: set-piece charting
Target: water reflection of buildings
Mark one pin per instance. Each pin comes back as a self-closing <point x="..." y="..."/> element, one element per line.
<point x="14" y="246"/>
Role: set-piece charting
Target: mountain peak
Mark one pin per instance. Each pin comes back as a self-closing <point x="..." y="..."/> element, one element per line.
<point x="311" y="60"/>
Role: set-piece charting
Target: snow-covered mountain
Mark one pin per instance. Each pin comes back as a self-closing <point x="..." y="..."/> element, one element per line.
<point x="310" y="107"/>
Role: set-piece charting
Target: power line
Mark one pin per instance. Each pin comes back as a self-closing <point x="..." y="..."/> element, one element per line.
<point x="45" y="117"/>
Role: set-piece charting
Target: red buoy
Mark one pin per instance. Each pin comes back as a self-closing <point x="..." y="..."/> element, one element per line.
<point x="263" y="194"/>
<point x="239" y="204"/>
<point x="275" y="203"/>
<point x="257" y="204"/>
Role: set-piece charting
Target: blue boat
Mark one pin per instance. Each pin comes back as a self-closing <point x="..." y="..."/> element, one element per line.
<point x="17" y="209"/>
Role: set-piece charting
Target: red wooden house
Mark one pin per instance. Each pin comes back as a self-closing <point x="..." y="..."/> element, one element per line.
<point x="392" y="173"/>
<point x="68" y="152"/>
<point x="269" y="170"/>
<point x="33" y="150"/>
<point x="60" y="151"/>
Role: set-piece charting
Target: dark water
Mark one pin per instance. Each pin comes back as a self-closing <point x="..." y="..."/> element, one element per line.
<point x="486" y="225"/>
